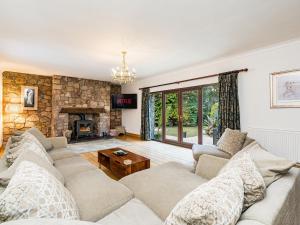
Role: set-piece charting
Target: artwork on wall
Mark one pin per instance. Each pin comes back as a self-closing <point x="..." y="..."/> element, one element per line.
<point x="285" y="89"/>
<point x="29" y="97"/>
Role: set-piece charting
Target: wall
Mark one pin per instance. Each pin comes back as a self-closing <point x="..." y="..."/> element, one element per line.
<point x="115" y="114"/>
<point x="1" y="116"/>
<point x="254" y="90"/>
<point x="40" y="118"/>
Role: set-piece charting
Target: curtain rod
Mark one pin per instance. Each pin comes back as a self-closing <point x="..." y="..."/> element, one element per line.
<point x="197" y="78"/>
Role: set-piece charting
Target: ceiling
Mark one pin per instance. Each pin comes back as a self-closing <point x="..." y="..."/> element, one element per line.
<point x="83" y="38"/>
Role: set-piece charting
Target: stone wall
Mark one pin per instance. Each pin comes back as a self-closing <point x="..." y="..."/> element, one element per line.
<point x="76" y="92"/>
<point x="55" y="92"/>
<point x="115" y="114"/>
<point x="40" y="118"/>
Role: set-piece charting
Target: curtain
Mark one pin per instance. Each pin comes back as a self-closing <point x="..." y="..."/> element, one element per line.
<point x="146" y="131"/>
<point x="229" y="110"/>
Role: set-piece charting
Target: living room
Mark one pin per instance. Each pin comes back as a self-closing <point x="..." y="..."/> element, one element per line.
<point x="178" y="112"/>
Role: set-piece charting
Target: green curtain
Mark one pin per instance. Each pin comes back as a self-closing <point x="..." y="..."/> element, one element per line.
<point x="229" y="110"/>
<point x="145" y="117"/>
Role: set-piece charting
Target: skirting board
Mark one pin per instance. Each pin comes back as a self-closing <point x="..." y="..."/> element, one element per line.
<point x="137" y="136"/>
<point x="284" y="143"/>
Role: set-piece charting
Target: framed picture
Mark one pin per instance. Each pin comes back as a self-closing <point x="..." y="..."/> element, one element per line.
<point x="285" y="89"/>
<point x="29" y="97"/>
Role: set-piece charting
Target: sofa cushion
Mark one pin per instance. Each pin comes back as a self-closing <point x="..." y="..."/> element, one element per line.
<point x="161" y="187"/>
<point x="72" y="166"/>
<point x="96" y="194"/>
<point x="132" y="213"/>
<point x="281" y="203"/>
<point x="199" y="150"/>
<point x="31" y="156"/>
<point x="208" y="166"/>
<point x="34" y="193"/>
<point x="269" y="165"/>
<point x="28" y="142"/>
<point x="254" y="185"/>
<point x="62" y="153"/>
<point x="48" y="222"/>
<point x="41" y="137"/>
<point x="247" y="141"/>
<point x="219" y="201"/>
<point x="231" y="141"/>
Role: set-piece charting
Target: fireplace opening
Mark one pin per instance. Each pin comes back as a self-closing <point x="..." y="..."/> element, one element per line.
<point x="84" y="128"/>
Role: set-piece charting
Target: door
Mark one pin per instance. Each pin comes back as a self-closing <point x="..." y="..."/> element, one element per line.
<point x="186" y="116"/>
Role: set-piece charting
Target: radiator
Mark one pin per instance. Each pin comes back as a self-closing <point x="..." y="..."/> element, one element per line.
<point x="283" y="143"/>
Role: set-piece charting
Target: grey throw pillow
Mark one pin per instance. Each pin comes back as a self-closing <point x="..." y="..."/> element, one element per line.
<point x="41" y="137"/>
<point x="270" y="166"/>
<point x="231" y="141"/>
<point x="31" y="156"/>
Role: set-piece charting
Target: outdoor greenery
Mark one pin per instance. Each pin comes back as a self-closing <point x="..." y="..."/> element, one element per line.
<point x="190" y="110"/>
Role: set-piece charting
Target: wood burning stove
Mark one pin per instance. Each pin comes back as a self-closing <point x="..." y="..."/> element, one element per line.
<point x="83" y="127"/>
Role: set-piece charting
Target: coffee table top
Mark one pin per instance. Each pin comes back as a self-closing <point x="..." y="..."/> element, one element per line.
<point x="135" y="158"/>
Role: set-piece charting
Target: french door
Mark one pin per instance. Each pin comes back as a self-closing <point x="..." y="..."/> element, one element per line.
<point x="186" y="116"/>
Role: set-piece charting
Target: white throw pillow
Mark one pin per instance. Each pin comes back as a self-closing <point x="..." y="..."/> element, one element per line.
<point x="34" y="193"/>
<point x="217" y="202"/>
<point x="254" y="185"/>
<point x="28" y="142"/>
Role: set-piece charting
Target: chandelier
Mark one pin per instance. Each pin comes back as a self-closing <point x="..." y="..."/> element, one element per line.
<point x="123" y="75"/>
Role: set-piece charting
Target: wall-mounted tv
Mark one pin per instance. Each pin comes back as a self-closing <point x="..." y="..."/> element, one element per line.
<point x="124" y="101"/>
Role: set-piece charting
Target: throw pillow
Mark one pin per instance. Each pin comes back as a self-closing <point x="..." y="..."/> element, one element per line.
<point x="217" y="202"/>
<point x="270" y="166"/>
<point x="247" y="141"/>
<point x="254" y="186"/>
<point x="34" y="193"/>
<point x="28" y="142"/>
<point x="31" y="156"/>
<point x="41" y="137"/>
<point x="231" y="141"/>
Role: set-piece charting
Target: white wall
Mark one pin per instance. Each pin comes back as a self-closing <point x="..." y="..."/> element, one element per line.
<point x="254" y="93"/>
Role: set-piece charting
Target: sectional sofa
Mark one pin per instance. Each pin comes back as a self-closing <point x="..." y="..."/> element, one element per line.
<point x="147" y="197"/>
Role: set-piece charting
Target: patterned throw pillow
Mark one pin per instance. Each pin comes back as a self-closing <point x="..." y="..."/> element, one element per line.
<point x="34" y="193"/>
<point x="217" y="202"/>
<point x="30" y="156"/>
<point x="254" y="185"/>
<point x="28" y="142"/>
<point x="231" y="141"/>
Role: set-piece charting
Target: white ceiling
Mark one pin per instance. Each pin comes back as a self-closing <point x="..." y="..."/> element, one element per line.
<point x="84" y="37"/>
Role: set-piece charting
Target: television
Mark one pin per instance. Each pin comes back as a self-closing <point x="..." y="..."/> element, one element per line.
<point x="124" y="101"/>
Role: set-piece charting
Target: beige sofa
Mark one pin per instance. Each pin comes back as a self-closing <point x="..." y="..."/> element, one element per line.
<point x="147" y="197"/>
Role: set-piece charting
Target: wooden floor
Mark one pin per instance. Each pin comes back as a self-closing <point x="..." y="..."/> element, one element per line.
<point x="157" y="152"/>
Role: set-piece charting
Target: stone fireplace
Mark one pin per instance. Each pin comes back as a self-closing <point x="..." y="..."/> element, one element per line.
<point x="85" y="122"/>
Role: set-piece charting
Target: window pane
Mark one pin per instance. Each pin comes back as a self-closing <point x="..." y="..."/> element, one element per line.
<point x="171" y="116"/>
<point x="190" y="116"/>
<point x="210" y="104"/>
<point x="157" y="99"/>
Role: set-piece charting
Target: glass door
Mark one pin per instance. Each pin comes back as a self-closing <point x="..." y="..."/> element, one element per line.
<point x="189" y="115"/>
<point x="171" y="116"/>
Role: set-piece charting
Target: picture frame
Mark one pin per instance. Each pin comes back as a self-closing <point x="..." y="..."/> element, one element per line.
<point x="29" y="97"/>
<point x="285" y="89"/>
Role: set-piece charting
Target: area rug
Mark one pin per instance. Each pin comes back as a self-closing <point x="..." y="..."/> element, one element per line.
<point x="92" y="146"/>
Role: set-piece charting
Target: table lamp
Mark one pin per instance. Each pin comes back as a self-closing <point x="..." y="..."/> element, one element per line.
<point x="13" y="109"/>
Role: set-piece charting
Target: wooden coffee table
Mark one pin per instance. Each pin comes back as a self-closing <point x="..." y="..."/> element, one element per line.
<point x="116" y="165"/>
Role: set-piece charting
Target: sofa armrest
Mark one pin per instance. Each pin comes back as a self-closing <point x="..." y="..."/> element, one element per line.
<point x="249" y="222"/>
<point x="58" y="142"/>
<point x="208" y="166"/>
<point x="208" y="150"/>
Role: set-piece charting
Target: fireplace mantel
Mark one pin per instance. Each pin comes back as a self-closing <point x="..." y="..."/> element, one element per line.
<point x="75" y="110"/>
